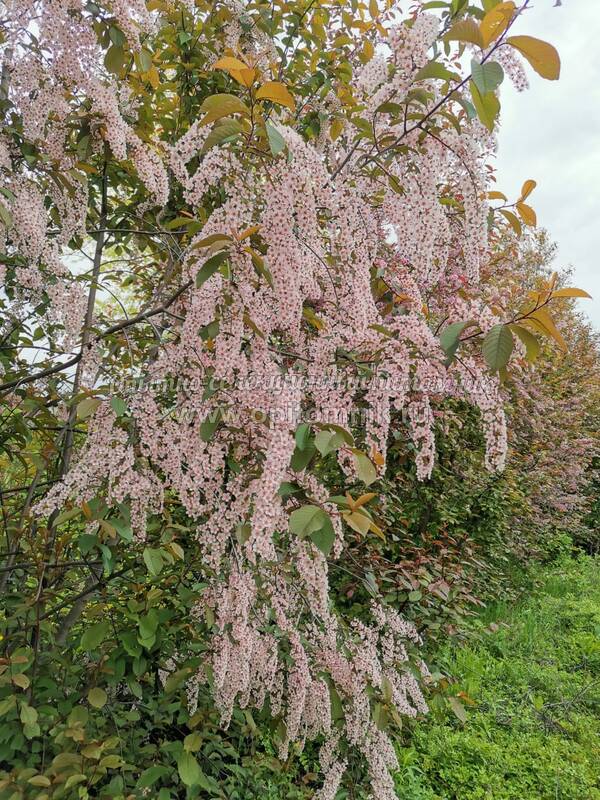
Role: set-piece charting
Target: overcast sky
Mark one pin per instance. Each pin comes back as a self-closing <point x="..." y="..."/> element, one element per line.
<point x="552" y="133"/>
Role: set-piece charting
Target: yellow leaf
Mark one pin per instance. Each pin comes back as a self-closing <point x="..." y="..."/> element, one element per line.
<point x="377" y="531"/>
<point x="248" y="232"/>
<point x="539" y="298"/>
<point x="97" y="697"/>
<point x="337" y="126"/>
<point x="39" y="780"/>
<point x="571" y="293"/>
<point x="364" y="498"/>
<point x="368" y="51"/>
<point x="310" y="316"/>
<point x="153" y="77"/>
<point x="21" y="680"/>
<point x="218" y="106"/>
<point x="527" y="189"/>
<point x="496" y="21"/>
<point x="542" y="56"/>
<point x="358" y="521"/>
<point x="229" y="64"/>
<point x="277" y="93"/>
<point x="244" y="76"/>
<point x="467" y="30"/>
<point x="513" y="221"/>
<point x="544" y="322"/>
<point x="92" y="751"/>
<point x="527" y="214"/>
<point x="350" y="501"/>
<point x="177" y="550"/>
<point x="212" y="239"/>
<point x="497" y="196"/>
<point x="373" y="9"/>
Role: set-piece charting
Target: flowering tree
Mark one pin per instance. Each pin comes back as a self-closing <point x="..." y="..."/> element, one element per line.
<point x="237" y="237"/>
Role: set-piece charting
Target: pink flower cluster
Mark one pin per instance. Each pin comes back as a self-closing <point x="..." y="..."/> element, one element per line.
<point x="325" y="221"/>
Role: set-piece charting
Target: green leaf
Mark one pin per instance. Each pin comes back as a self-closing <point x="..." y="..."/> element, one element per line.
<point x="176" y="678"/>
<point x="487" y="77"/>
<point x="450" y="337"/>
<point x="122" y="527"/>
<point x="458" y="708"/>
<point x="367" y="472"/>
<point x="327" y="441"/>
<point x="306" y="520"/>
<point x="119" y="406"/>
<point x="7" y="704"/>
<point x="31" y="730"/>
<point x="210" y="424"/>
<point x="260" y="266"/>
<point x="276" y="140"/>
<point x="117" y="36"/>
<point x="324" y="537"/>
<point x="436" y="70"/>
<point x="192" y="742"/>
<point x="97" y="697"/>
<point x="73" y="780"/>
<point x="6" y="216"/>
<point x="287" y="489"/>
<point x="94" y="635"/>
<point x="179" y="222"/>
<point x="143" y="60"/>
<point x="87" y="406"/>
<point x="149" y="776"/>
<point x="227" y="129"/>
<point x="497" y="347"/>
<point x="153" y="559"/>
<point x="28" y="714"/>
<point x="301" y="458"/>
<point x="114" y="60"/>
<point x="486" y="105"/>
<point x="302" y="436"/>
<point x="210" y="267"/>
<point x="189" y="769"/>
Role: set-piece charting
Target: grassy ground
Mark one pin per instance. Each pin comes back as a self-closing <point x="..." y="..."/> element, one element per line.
<point x="533" y="731"/>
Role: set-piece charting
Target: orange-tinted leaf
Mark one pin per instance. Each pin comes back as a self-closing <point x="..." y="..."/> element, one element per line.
<point x="496" y="21"/>
<point x="467" y="30"/>
<point x="542" y="56"/>
<point x="571" y="292"/>
<point x="244" y="76"/>
<point x="277" y="93"/>
<point x="513" y="221"/>
<point x="229" y="64"/>
<point x="527" y="214"/>
<point x="543" y="318"/>
<point x="527" y="189"/>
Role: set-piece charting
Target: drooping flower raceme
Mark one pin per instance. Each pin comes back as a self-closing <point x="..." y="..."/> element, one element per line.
<point x="313" y="291"/>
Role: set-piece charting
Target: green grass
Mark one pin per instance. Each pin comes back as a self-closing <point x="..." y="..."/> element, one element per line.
<point x="532" y="731"/>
